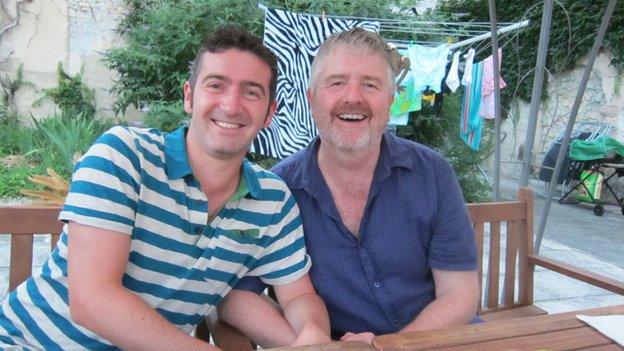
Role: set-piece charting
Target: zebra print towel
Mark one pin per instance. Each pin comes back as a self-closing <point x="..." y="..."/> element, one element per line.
<point x="295" y="38"/>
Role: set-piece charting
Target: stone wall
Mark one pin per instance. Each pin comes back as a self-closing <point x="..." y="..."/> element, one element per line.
<point x="72" y="32"/>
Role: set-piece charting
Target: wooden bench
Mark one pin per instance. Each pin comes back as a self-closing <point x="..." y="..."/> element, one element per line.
<point x="22" y="223"/>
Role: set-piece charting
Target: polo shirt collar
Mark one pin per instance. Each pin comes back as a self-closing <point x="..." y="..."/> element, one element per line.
<point x="178" y="166"/>
<point x="176" y="157"/>
<point x="308" y="175"/>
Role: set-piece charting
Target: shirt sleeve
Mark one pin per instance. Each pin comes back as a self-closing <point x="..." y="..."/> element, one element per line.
<point x="105" y="184"/>
<point x="285" y="259"/>
<point x="252" y="284"/>
<point x="452" y="245"/>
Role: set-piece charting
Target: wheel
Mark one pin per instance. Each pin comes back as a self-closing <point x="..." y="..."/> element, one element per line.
<point x="598" y="210"/>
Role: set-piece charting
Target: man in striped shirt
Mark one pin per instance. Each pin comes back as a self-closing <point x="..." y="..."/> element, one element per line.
<point x="161" y="226"/>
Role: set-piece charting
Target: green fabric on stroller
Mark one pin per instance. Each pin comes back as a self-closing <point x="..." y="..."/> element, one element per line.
<point x="602" y="147"/>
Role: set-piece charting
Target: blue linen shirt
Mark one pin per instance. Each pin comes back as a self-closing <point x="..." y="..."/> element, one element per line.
<point x="415" y="220"/>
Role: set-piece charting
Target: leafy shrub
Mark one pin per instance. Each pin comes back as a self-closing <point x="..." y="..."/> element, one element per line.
<point x="14" y="178"/>
<point x="71" y="95"/>
<point x="166" y="116"/>
<point x="15" y="139"/>
<point x="8" y="88"/>
<point x="61" y="138"/>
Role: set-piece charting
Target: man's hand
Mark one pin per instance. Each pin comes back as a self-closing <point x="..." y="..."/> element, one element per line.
<point x="366" y="337"/>
<point x="310" y="334"/>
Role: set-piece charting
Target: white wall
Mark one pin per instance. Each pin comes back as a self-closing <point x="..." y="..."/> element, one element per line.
<point x="73" y="32"/>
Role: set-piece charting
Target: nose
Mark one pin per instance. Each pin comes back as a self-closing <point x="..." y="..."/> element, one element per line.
<point x="354" y="93"/>
<point x="231" y="102"/>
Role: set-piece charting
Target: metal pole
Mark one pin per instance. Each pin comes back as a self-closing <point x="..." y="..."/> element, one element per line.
<point x="487" y="35"/>
<point x="497" y="122"/>
<point x="606" y="18"/>
<point x="536" y="95"/>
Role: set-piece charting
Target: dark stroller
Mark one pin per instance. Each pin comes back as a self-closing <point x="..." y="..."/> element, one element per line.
<point x="588" y="157"/>
<point x="590" y="149"/>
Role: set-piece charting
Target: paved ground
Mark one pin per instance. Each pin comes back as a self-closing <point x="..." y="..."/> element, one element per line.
<point x="573" y="234"/>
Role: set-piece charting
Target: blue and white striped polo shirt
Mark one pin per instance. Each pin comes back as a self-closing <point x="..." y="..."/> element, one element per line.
<point x="139" y="182"/>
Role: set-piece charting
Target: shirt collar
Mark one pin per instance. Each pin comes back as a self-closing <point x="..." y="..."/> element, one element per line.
<point x="176" y="157"/>
<point x="178" y="166"/>
<point x="393" y="154"/>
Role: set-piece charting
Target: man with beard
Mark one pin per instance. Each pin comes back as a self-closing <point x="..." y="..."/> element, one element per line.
<point x="161" y="226"/>
<point x="384" y="218"/>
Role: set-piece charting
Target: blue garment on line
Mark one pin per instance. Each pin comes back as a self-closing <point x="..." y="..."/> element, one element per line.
<point x="471" y="122"/>
<point x="428" y="66"/>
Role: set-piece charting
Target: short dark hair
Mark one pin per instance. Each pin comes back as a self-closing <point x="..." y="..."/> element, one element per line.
<point x="234" y="37"/>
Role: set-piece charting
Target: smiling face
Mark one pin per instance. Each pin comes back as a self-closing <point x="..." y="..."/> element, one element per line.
<point x="350" y="98"/>
<point x="229" y="103"/>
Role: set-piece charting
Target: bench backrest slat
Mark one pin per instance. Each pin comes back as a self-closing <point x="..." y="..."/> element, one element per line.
<point x="22" y="222"/>
<point x="508" y="241"/>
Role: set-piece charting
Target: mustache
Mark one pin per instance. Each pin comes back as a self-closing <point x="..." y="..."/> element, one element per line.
<point x="359" y="108"/>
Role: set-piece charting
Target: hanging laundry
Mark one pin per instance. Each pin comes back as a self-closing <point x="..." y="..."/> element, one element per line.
<point x="487" y="109"/>
<point x="452" y="79"/>
<point x="429" y="97"/>
<point x="399" y="120"/>
<point x="471" y="122"/>
<point x="295" y="39"/>
<point x="467" y="77"/>
<point x="407" y="98"/>
<point x="428" y="65"/>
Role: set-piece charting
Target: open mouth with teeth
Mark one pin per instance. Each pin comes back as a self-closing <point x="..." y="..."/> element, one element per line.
<point x="351" y="117"/>
<point x="227" y="125"/>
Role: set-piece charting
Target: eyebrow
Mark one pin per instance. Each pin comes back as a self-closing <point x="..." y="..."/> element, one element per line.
<point x="344" y="76"/>
<point x="245" y="83"/>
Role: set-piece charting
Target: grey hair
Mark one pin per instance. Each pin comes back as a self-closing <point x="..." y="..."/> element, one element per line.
<point x="356" y="38"/>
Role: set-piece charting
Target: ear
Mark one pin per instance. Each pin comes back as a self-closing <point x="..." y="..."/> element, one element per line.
<point x="188" y="97"/>
<point x="270" y="113"/>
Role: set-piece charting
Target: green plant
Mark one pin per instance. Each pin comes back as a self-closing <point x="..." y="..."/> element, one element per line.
<point x="14" y="138"/>
<point x="166" y="116"/>
<point x="62" y="138"/>
<point x="71" y="95"/>
<point x="440" y="131"/>
<point x="574" y="26"/>
<point x="13" y="178"/>
<point x="8" y="88"/>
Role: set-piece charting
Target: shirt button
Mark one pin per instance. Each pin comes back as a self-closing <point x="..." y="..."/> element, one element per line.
<point x="377" y="284"/>
<point x="199" y="230"/>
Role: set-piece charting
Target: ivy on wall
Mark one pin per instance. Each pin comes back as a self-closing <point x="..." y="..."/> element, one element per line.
<point x="573" y="29"/>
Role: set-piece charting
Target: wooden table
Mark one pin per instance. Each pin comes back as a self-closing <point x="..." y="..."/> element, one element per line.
<point x="547" y="332"/>
<point x="561" y="331"/>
